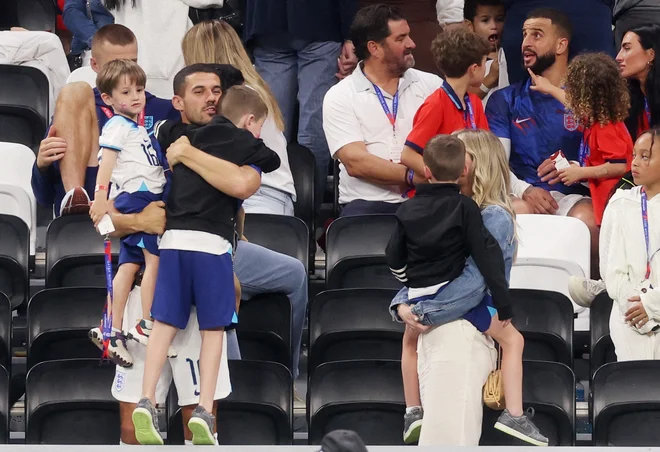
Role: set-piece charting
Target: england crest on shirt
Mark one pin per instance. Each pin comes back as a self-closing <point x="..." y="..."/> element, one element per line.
<point x="570" y="123"/>
<point x="120" y="380"/>
<point x="148" y="122"/>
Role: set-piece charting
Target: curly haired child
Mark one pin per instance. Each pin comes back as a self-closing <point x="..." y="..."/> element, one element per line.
<point x="599" y="98"/>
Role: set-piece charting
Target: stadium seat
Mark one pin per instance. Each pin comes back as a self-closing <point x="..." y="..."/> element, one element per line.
<point x="74" y="253"/>
<point x="5" y="335"/>
<point x="37" y="15"/>
<point x="5" y="415"/>
<point x="69" y="402"/>
<point x="58" y="321"/>
<point x="23" y="119"/>
<point x="351" y="324"/>
<point x="549" y="388"/>
<point x="545" y="319"/>
<point x="602" y="349"/>
<point x="355" y="253"/>
<point x="550" y="249"/>
<point x="302" y="163"/>
<point x="364" y="396"/>
<point x="14" y="258"/>
<point x="626" y="404"/>
<point x="16" y="171"/>
<point x="259" y="410"/>
<point x="264" y="328"/>
<point x="286" y="235"/>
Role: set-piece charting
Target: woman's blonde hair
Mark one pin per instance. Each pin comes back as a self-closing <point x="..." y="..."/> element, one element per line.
<point x="491" y="185"/>
<point x="216" y="42"/>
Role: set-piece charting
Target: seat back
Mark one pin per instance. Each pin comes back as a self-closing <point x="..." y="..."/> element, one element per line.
<point x="14" y="255"/>
<point x="16" y="202"/>
<point x="367" y="333"/>
<point x="602" y="349"/>
<point x="364" y="396"/>
<point x="37" y="15"/>
<point x="546" y="321"/>
<point x="549" y="388"/>
<point x="259" y="411"/>
<point x="5" y="414"/>
<point x="69" y="402"/>
<point x="303" y="170"/>
<point x="5" y="334"/>
<point x="74" y="253"/>
<point x="265" y="328"/>
<point x="286" y="235"/>
<point x="626" y="404"/>
<point x="58" y="321"/>
<point x="355" y="254"/>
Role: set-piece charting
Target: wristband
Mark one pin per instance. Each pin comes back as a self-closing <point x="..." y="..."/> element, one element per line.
<point x="410" y="176"/>
<point x="484" y="89"/>
<point x="100" y="187"/>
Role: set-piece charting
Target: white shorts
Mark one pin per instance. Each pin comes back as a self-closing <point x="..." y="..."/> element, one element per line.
<point x="184" y="369"/>
<point x="566" y="202"/>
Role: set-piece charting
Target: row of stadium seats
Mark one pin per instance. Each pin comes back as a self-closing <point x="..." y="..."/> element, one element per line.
<point x="69" y="402"/>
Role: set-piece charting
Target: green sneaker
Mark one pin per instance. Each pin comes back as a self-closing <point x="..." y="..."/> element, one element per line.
<point x="412" y="425"/>
<point x="145" y="420"/>
<point x="201" y="425"/>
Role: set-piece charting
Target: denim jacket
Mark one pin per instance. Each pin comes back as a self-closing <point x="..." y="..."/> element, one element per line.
<point x="83" y="18"/>
<point x="501" y="226"/>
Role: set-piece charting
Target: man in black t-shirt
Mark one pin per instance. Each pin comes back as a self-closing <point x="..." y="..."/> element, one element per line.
<point x="196" y="249"/>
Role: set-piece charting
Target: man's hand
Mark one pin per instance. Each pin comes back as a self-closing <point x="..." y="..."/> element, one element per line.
<point x="541" y="200"/>
<point x="51" y="149"/>
<point x="411" y="320"/>
<point x="636" y="314"/>
<point x="176" y="150"/>
<point x="547" y="171"/>
<point x="493" y="77"/>
<point x="572" y="174"/>
<point x="152" y="218"/>
<point x="347" y="61"/>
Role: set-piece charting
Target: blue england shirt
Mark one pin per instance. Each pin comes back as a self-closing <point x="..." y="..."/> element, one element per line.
<point x="538" y="125"/>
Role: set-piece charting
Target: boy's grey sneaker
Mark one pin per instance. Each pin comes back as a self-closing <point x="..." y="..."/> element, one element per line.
<point x="583" y="291"/>
<point x="521" y="427"/>
<point x="412" y="426"/>
<point x="201" y="425"/>
<point x="145" y="420"/>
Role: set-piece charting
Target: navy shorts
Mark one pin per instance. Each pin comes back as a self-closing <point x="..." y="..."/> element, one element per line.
<point x="132" y="245"/>
<point x="187" y="278"/>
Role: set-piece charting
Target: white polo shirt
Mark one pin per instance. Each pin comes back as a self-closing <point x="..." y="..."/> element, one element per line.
<point x="353" y="113"/>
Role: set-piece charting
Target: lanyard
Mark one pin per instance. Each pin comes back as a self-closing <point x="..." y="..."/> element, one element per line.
<point x="469" y="111"/>
<point x="107" y="311"/>
<point x="647" y="111"/>
<point x="584" y="149"/>
<point x="109" y="114"/>
<point x="391" y="115"/>
<point x="645" y="224"/>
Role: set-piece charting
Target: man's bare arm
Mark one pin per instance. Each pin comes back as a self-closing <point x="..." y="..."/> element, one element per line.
<point x="151" y="220"/>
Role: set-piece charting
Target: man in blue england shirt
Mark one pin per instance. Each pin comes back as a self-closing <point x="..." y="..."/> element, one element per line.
<point x="533" y="126"/>
<point x="65" y="170"/>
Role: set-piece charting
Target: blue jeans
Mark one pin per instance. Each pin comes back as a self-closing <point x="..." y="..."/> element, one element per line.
<point x="269" y="200"/>
<point x="77" y="20"/>
<point x="304" y="71"/>
<point x="451" y="302"/>
<point x="362" y="207"/>
<point x="261" y="270"/>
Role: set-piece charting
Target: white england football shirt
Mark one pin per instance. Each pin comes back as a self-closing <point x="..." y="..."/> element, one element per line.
<point x="138" y="167"/>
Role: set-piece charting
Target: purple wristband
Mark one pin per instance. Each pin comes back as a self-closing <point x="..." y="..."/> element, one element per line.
<point x="410" y="176"/>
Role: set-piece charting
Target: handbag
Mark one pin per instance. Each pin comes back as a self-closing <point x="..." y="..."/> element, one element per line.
<point x="494" y="387"/>
<point x="230" y="12"/>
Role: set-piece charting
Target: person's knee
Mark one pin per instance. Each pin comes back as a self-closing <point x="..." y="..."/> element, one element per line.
<point x="584" y="212"/>
<point x="514" y="342"/>
<point x="75" y="95"/>
<point x="521" y="207"/>
<point x="297" y="274"/>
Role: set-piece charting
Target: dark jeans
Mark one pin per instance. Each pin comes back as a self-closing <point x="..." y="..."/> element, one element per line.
<point x="362" y="207"/>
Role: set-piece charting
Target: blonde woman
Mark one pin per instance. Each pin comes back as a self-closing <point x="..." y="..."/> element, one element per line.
<point x="454" y="359"/>
<point x="217" y="42"/>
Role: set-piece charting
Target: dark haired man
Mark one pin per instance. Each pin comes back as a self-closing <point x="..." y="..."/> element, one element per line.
<point x="368" y="115"/>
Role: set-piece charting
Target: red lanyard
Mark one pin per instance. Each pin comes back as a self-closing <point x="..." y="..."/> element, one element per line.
<point x="645" y="224"/>
<point x="109" y="114"/>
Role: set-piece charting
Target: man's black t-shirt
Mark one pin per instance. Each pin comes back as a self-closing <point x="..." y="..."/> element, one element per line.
<point x="194" y="204"/>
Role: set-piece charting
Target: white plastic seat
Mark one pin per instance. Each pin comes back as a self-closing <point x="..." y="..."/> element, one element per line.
<point x="550" y="249"/>
<point x="16" y="196"/>
<point x="83" y="74"/>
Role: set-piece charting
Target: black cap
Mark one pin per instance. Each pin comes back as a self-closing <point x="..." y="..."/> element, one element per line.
<point x="342" y="441"/>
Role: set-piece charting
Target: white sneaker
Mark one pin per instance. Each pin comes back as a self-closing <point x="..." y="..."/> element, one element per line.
<point x="75" y="201"/>
<point x="141" y="333"/>
<point x="583" y="290"/>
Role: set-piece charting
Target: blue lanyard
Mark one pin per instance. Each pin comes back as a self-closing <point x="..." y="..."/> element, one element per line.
<point x="391" y="115"/>
<point x="584" y="150"/>
<point x="645" y="224"/>
<point x="107" y="311"/>
<point x="647" y="111"/>
<point x="469" y="111"/>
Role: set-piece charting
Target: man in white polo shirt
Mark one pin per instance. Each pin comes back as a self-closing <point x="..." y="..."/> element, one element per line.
<point x="368" y="115"/>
